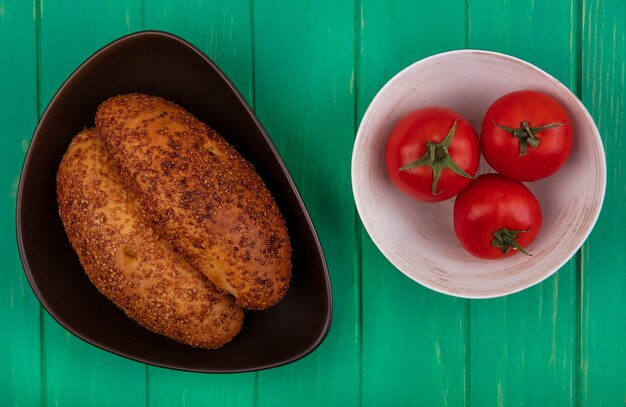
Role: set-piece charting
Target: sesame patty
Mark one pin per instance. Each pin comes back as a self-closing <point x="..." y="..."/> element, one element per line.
<point x="201" y="195"/>
<point x="128" y="262"/>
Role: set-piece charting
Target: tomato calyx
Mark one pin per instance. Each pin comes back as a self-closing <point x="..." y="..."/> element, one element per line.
<point x="437" y="158"/>
<point x="527" y="135"/>
<point x="504" y="239"/>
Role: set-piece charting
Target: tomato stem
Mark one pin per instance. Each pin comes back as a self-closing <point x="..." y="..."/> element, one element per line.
<point x="437" y="158"/>
<point x="504" y="239"/>
<point x="527" y="135"/>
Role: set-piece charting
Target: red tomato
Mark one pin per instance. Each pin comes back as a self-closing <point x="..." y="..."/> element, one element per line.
<point x="432" y="154"/>
<point x="526" y="135"/>
<point x="496" y="217"/>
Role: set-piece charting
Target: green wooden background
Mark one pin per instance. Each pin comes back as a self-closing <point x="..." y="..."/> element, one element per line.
<point x="310" y="68"/>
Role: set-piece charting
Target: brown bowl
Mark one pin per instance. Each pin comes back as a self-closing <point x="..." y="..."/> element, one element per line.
<point x="161" y="64"/>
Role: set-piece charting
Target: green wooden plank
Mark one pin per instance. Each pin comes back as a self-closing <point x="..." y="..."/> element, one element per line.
<point x="20" y="367"/>
<point x="413" y="338"/>
<point x="603" y="355"/>
<point x="414" y="346"/>
<point x="172" y="388"/>
<point x="304" y="98"/>
<point x="524" y="346"/>
<point x="78" y="373"/>
<point x="541" y="32"/>
<point x="222" y="30"/>
<point x="70" y="33"/>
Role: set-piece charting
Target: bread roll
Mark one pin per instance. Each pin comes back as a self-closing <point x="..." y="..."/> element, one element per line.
<point x="124" y="258"/>
<point x="202" y="195"/>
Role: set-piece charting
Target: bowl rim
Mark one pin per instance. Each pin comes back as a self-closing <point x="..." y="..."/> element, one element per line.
<point x="322" y="334"/>
<point x="360" y="136"/>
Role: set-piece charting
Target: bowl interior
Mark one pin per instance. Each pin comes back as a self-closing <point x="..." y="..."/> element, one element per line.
<point x="164" y="65"/>
<point x="419" y="238"/>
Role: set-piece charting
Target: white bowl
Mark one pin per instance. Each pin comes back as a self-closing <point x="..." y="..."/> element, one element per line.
<point x="418" y="238"/>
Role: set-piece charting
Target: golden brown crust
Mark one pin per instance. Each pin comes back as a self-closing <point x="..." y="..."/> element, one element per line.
<point x="201" y="194"/>
<point x="124" y="258"/>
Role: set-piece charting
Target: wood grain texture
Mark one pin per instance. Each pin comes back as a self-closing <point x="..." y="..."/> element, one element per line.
<point x="70" y="33"/>
<point x="603" y="320"/>
<point x="20" y="367"/>
<point x="414" y="340"/>
<point x="77" y="373"/>
<point x="414" y="346"/>
<point x="222" y="30"/>
<point x="311" y="69"/>
<point x="523" y="347"/>
<point x="304" y="98"/>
